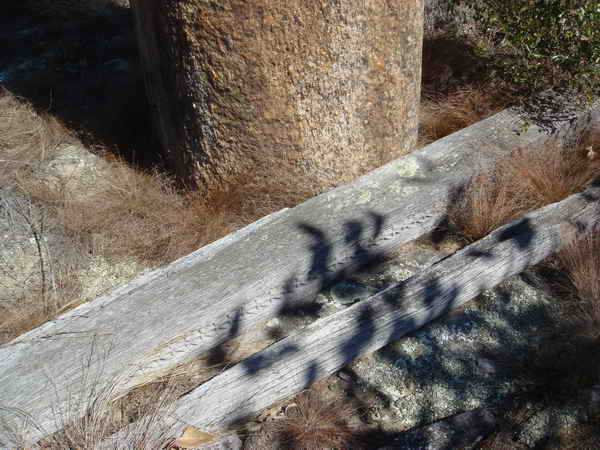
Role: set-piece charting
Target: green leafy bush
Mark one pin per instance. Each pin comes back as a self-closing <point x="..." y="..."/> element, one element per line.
<point x="540" y="44"/>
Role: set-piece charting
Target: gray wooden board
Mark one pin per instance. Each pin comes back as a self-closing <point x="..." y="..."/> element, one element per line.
<point x="327" y="345"/>
<point x="175" y="313"/>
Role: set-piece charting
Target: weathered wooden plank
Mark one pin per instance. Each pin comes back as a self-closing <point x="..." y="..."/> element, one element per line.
<point x="327" y="345"/>
<point x="183" y="310"/>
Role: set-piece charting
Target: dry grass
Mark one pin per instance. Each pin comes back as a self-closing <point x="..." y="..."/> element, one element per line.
<point x="144" y="216"/>
<point x="581" y="261"/>
<point x="38" y="266"/>
<point x="444" y="115"/>
<point x="135" y="221"/>
<point x="87" y="421"/>
<point x="133" y="215"/>
<point x="486" y="203"/>
<point x="25" y="137"/>
<point x="310" y="423"/>
<point x="111" y="219"/>
<point x="526" y="180"/>
<point x="560" y="373"/>
<point x="104" y="418"/>
<point x="551" y="173"/>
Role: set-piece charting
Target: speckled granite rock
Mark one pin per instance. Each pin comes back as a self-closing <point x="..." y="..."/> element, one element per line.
<point x="455" y="364"/>
<point x="75" y="171"/>
<point x="463" y="431"/>
<point x="558" y="418"/>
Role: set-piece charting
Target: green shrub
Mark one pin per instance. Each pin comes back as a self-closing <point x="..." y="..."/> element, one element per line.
<point x="541" y="44"/>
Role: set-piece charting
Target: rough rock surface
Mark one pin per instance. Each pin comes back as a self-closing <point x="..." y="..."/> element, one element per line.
<point x="459" y="363"/>
<point x="456" y="364"/>
<point x="75" y="172"/>
<point x="462" y="431"/>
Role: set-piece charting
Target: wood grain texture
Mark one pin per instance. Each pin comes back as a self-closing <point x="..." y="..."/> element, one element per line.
<point x="327" y="345"/>
<point x="181" y="311"/>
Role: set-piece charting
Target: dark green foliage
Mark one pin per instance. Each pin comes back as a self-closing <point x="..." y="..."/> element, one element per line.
<point x="540" y="44"/>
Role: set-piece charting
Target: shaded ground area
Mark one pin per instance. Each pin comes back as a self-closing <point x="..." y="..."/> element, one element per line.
<point x="84" y="72"/>
<point x="450" y="64"/>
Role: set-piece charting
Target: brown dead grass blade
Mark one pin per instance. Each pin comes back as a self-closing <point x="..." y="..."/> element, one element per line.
<point x="550" y="173"/>
<point x="26" y="137"/>
<point x="581" y="260"/>
<point x="310" y="423"/>
<point x="134" y="215"/>
<point x="441" y="116"/>
<point x="119" y="216"/>
<point x="487" y="202"/>
<point x="528" y="179"/>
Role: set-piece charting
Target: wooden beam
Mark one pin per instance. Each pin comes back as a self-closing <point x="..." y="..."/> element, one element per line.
<point x="274" y="267"/>
<point x="327" y="345"/>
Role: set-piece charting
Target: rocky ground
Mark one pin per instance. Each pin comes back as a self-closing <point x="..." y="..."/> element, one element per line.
<point x="453" y="383"/>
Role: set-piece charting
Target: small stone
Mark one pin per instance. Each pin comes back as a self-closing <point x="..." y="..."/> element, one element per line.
<point x="349" y="292"/>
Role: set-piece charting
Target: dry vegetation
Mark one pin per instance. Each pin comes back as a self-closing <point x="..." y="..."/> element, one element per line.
<point x="97" y="220"/>
<point x="25" y="137"/>
<point x="131" y="220"/>
<point x="441" y="115"/>
<point x="566" y="365"/>
<point x="581" y="261"/>
<point x="565" y="369"/>
<point x="526" y="180"/>
<point x="309" y="423"/>
<point x="552" y="173"/>
<point x="487" y="202"/>
<point x="86" y="423"/>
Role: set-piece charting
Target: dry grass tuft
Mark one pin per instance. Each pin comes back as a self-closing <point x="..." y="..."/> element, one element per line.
<point x="85" y="422"/>
<point x="134" y="215"/>
<point x="310" y="423"/>
<point x="581" y="261"/>
<point x="486" y="203"/>
<point x="526" y="180"/>
<point x="444" y="115"/>
<point x="144" y="216"/>
<point x="550" y="173"/>
<point x="25" y="137"/>
<point x="99" y="221"/>
<point x="38" y="266"/>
